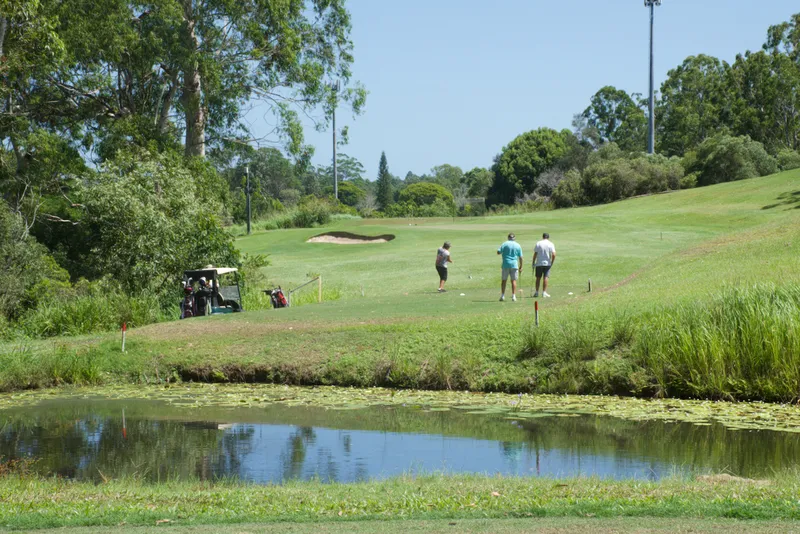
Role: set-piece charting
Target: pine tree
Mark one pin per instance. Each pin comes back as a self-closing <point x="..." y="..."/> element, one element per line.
<point x="384" y="183"/>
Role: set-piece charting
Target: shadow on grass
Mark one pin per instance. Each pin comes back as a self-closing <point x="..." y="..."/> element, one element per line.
<point x="792" y="200"/>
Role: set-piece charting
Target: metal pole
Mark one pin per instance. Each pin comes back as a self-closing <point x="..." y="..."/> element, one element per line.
<point x="247" y="194"/>
<point x="335" y="164"/>
<point x="651" y="135"/>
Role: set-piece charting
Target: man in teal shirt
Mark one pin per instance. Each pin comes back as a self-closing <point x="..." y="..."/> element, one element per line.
<point x="512" y="265"/>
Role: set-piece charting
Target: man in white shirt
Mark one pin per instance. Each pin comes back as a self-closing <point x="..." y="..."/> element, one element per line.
<point x="544" y="255"/>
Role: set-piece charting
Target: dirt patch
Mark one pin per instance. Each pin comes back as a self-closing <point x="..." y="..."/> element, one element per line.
<point x="346" y="238"/>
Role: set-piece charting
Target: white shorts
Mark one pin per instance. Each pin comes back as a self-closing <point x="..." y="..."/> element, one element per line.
<point x="512" y="273"/>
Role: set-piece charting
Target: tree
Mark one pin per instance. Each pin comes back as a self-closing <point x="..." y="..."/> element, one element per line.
<point x="478" y="181"/>
<point x="425" y="193"/>
<point x="146" y="221"/>
<point x="724" y="158"/>
<point x="617" y="119"/>
<point x="447" y="176"/>
<point x="141" y="71"/>
<point x="350" y="194"/>
<point x="523" y="160"/>
<point x="695" y="104"/>
<point x="766" y="104"/>
<point x="385" y="197"/>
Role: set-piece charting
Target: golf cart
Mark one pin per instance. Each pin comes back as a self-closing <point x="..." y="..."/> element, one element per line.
<point x="221" y="296"/>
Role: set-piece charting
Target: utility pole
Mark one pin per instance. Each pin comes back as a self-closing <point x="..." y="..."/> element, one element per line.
<point x="247" y="194"/>
<point x="651" y="130"/>
<point x="335" y="88"/>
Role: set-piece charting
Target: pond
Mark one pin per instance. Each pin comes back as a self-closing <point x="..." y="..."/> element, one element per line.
<point x="93" y="439"/>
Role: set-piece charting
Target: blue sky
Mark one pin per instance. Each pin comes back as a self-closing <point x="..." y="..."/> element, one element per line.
<point x="453" y="81"/>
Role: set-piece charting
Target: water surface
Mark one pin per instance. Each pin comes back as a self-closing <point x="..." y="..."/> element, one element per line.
<point x="91" y="439"/>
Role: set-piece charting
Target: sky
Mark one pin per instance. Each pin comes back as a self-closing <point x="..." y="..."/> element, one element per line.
<point x="453" y="81"/>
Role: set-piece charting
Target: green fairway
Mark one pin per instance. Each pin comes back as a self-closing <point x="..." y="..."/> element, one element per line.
<point x="642" y="255"/>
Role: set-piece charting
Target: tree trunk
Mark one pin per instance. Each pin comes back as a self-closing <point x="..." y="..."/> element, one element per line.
<point x="3" y="27"/>
<point x="166" y="107"/>
<point x="192" y="90"/>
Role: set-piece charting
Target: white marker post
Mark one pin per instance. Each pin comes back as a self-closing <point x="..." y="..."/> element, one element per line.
<point x="124" y="328"/>
<point x="536" y="313"/>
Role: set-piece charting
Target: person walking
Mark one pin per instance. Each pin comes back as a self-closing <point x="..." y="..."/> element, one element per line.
<point x="512" y="266"/>
<point x="544" y="255"/>
<point x="442" y="259"/>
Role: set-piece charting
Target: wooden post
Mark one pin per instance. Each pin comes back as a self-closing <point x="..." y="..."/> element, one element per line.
<point x="319" y="289"/>
<point x="590" y="285"/>
<point x="536" y="313"/>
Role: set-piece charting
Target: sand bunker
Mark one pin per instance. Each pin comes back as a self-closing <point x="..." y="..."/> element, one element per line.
<point x="346" y="238"/>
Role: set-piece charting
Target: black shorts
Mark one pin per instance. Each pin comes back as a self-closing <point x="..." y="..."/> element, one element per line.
<point x="543" y="270"/>
<point x="442" y="272"/>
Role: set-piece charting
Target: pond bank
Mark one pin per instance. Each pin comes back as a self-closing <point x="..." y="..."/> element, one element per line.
<point x="49" y="503"/>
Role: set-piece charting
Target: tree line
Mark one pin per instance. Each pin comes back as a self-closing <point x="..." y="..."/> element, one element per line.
<point x="123" y="125"/>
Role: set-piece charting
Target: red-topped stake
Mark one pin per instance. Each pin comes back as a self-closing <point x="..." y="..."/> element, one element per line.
<point x="124" y="328"/>
<point x="536" y="312"/>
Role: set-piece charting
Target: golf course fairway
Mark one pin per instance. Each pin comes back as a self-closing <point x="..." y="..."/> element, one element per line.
<point x="657" y="262"/>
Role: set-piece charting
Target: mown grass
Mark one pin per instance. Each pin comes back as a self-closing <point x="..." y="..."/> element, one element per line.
<point x="28" y="503"/>
<point x="690" y="314"/>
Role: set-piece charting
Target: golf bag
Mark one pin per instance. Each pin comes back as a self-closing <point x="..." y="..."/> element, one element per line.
<point x="188" y="306"/>
<point x="277" y="298"/>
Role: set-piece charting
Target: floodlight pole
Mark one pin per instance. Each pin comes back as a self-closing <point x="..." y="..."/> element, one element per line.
<point x="335" y="88"/>
<point x="651" y="130"/>
<point x="247" y="194"/>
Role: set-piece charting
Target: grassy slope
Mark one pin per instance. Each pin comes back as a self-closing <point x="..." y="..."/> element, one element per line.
<point x="403" y="333"/>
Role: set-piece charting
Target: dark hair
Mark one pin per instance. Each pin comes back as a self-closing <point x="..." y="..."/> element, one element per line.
<point x="511" y="236"/>
<point x="446" y="244"/>
<point x="546" y="235"/>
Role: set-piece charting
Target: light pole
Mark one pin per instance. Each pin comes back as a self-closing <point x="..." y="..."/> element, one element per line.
<point x="335" y="89"/>
<point x="651" y="130"/>
<point x="247" y="195"/>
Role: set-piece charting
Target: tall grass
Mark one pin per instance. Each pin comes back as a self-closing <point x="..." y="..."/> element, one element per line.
<point x="309" y="214"/>
<point x="92" y="312"/>
<point x="744" y="344"/>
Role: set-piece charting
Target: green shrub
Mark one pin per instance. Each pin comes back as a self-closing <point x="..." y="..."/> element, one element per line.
<point x="689" y="181"/>
<point x="724" y="158"/>
<point x="94" y="307"/>
<point x="425" y="193"/>
<point x="568" y="192"/>
<point x="788" y="159"/>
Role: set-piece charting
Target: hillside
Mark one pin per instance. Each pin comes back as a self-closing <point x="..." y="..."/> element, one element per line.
<point x="643" y="255"/>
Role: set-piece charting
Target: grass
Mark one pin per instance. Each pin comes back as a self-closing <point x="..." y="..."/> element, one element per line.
<point x="30" y="503"/>
<point x="682" y="306"/>
<point x="545" y="525"/>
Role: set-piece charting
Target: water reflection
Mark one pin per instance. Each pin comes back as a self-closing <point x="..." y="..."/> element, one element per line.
<point x="92" y="440"/>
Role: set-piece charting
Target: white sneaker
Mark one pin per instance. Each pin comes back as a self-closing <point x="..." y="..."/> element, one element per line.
<point x="546" y="295"/>
<point x="536" y="294"/>
<point x="513" y="298"/>
<point x="502" y="298"/>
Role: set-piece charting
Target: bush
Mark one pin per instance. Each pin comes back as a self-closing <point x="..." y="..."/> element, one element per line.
<point x="568" y="192"/>
<point x="349" y="194"/>
<point x="94" y="307"/>
<point x="724" y="158"/>
<point x="145" y="222"/>
<point x="36" y="274"/>
<point x="613" y="178"/>
<point x="424" y="193"/>
<point x="788" y="159"/>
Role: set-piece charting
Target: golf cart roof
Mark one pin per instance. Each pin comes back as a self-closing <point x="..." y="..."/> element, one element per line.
<point x="219" y="271"/>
